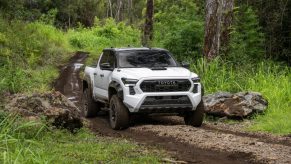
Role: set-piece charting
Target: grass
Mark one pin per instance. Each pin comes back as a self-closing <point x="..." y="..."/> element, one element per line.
<point x="31" y="52"/>
<point x="31" y="142"/>
<point x="271" y="79"/>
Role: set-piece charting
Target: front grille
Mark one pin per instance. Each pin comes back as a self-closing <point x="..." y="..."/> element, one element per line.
<point x="175" y="85"/>
<point x="161" y="104"/>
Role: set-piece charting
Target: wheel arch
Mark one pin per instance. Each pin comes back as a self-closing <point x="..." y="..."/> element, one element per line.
<point x="115" y="88"/>
<point x="86" y="83"/>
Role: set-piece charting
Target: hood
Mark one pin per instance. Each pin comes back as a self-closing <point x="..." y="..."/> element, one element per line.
<point x="138" y="73"/>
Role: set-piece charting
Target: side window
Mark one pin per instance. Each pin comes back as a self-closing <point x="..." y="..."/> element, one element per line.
<point x="104" y="57"/>
<point x="112" y="59"/>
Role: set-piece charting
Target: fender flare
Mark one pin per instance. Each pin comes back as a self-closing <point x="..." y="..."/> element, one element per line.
<point x="117" y="87"/>
<point x="87" y="80"/>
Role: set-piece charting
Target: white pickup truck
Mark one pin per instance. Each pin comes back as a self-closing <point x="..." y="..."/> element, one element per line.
<point x="141" y="81"/>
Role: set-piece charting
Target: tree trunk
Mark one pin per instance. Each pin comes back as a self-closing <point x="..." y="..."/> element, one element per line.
<point x="148" y="28"/>
<point x="110" y="8"/>
<point x="227" y="18"/>
<point x="118" y="16"/>
<point x="219" y="15"/>
<point x="129" y="11"/>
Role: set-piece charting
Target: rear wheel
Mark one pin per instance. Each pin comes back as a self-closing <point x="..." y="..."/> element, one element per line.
<point x="118" y="114"/>
<point x="90" y="108"/>
<point x="195" y="118"/>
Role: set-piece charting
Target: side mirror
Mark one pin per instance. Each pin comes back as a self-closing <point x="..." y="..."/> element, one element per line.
<point x="185" y="65"/>
<point x="106" y="66"/>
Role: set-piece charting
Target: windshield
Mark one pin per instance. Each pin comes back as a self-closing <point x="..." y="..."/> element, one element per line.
<point x="132" y="59"/>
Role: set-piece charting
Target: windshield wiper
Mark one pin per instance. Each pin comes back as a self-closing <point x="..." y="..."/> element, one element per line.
<point x="159" y="66"/>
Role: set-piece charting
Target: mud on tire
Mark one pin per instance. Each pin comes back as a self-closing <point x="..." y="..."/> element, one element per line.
<point x="195" y="118"/>
<point x="118" y="114"/>
<point x="90" y="108"/>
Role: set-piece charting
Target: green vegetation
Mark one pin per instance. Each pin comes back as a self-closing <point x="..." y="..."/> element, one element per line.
<point x="179" y="28"/>
<point x="38" y="36"/>
<point x="106" y="33"/>
<point x="29" y="56"/>
<point x="241" y="67"/>
<point x="268" y="78"/>
<point x="30" y="142"/>
<point x="31" y="52"/>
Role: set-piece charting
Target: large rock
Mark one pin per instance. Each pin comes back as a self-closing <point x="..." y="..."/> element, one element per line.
<point x="240" y="104"/>
<point x="54" y="107"/>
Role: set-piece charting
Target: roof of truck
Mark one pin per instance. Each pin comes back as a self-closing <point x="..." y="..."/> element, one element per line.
<point x="135" y="49"/>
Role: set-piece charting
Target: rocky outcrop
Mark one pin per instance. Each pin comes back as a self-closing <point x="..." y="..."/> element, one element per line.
<point x="240" y="104"/>
<point x="54" y="107"/>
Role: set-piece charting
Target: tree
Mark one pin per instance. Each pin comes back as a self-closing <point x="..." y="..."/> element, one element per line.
<point x="179" y="27"/>
<point x="218" y="20"/>
<point x="275" y="20"/>
<point x="148" y="28"/>
<point x="246" y="42"/>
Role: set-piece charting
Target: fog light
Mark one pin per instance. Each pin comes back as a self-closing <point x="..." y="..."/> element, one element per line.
<point x="131" y="90"/>
<point x="195" y="88"/>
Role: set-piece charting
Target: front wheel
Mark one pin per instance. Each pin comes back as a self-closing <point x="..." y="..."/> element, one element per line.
<point x="195" y="118"/>
<point x="118" y="114"/>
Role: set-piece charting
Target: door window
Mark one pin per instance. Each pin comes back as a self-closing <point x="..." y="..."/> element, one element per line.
<point x="112" y="60"/>
<point x="104" y="57"/>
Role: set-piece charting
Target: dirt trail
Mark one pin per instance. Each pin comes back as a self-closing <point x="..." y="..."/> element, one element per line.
<point x="69" y="83"/>
<point x="212" y="143"/>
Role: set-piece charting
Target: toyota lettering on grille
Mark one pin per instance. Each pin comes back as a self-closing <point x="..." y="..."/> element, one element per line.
<point x="168" y="83"/>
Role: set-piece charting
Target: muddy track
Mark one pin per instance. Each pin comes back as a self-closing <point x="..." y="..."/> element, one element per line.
<point x="212" y="143"/>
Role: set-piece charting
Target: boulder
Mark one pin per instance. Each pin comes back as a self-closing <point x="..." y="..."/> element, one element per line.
<point x="242" y="104"/>
<point x="54" y="107"/>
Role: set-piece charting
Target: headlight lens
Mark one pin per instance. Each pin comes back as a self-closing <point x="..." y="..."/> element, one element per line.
<point x="196" y="80"/>
<point x="129" y="82"/>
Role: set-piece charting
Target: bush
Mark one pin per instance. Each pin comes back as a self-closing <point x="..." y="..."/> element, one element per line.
<point x="103" y="35"/>
<point x="246" y="38"/>
<point x="28" y="55"/>
<point x="179" y="28"/>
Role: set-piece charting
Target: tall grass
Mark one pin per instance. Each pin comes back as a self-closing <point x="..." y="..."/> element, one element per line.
<point x="29" y="54"/>
<point x="17" y="137"/>
<point x="271" y="79"/>
<point x="23" y="142"/>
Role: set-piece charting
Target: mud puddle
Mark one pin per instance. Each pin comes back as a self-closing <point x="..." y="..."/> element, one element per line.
<point x="69" y="83"/>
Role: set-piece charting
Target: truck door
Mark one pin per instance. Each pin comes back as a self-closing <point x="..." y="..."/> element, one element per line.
<point x="98" y="90"/>
<point x="106" y="74"/>
<point x="103" y="76"/>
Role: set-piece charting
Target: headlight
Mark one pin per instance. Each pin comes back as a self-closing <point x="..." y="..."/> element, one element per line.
<point x="129" y="82"/>
<point x="195" y="79"/>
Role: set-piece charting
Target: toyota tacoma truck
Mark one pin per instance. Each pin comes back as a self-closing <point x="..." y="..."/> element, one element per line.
<point x="130" y="81"/>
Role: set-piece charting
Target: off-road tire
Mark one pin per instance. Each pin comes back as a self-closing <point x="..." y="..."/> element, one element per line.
<point x="90" y="108"/>
<point x="195" y="118"/>
<point x="118" y="114"/>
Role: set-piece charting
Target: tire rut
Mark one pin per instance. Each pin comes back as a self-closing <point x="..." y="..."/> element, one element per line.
<point x="179" y="150"/>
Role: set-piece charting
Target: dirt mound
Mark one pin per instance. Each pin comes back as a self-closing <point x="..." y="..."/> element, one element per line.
<point x="54" y="107"/>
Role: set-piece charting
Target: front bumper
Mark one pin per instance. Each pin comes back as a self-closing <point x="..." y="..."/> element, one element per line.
<point x="162" y="102"/>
